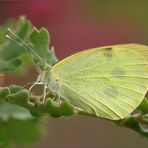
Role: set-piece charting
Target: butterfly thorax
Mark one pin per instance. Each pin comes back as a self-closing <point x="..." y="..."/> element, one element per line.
<point x="47" y="78"/>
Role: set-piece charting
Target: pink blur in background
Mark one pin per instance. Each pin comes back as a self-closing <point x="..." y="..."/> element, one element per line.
<point x="78" y="25"/>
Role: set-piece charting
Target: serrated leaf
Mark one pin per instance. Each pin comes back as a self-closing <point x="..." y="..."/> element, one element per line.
<point x="4" y="91"/>
<point x="20" y="98"/>
<point x="52" y="108"/>
<point x="55" y="109"/>
<point x="11" y="52"/>
<point x="11" y="49"/>
<point x="15" y="88"/>
<point x="16" y="96"/>
<point x="16" y="123"/>
<point x="40" y="44"/>
<point x="66" y="109"/>
<point x="36" y="110"/>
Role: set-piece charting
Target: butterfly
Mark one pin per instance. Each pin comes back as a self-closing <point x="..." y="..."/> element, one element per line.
<point x="109" y="82"/>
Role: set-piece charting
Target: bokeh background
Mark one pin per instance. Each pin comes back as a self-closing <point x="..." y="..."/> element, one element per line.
<point x="74" y="26"/>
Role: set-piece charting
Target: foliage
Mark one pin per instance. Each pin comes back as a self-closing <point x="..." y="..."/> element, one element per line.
<point x="22" y="111"/>
<point x="12" y="55"/>
<point x="19" y="131"/>
<point x="138" y="121"/>
<point x="21" y="97"/>
<point x="40" y="42"/>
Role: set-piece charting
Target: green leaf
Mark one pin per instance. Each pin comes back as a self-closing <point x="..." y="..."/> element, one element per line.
<point x="66" y="109"/>
<point x="20" y="98"/>
<point x="132" y="123"/>
<point x="9" y="65"/>
<point x="11" y="50"/>
<point x="12" y="53"/>
<point x="17" y="95"/>
<point x="52" y="108"/>
<point x="3" y="29"/>
<point x="16" y="123"/>
<point x="143" y="107"/>
<point x="19" y="131"/>
<point x="15" y="88"/>
<point x="55" y="109"/>
<point x="4" y="91"/>
<point x="11" y="110"/>
<point x="36" y="110"/>
<point x="40" y="44"/>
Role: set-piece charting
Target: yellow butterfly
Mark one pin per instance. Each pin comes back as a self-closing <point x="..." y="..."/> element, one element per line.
<point x="109" y="82"/>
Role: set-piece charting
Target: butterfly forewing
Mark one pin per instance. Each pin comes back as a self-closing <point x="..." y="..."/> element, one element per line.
<point x="142" y="49"/>
<point x="109" y="82"/>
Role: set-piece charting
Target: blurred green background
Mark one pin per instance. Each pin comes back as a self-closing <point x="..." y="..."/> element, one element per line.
<point x="74" y="26"/>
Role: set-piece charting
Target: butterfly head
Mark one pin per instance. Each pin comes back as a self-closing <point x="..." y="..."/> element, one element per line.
<point x="45" y="77"/>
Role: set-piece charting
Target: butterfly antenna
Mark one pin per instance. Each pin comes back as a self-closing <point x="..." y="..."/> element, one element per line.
<point x="28" y="48"/>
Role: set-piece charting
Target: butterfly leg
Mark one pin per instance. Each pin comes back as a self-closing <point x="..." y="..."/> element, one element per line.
<point x="28" y="84"/>
<point x="37" y="82"/>
<point x="58" y="98"/>
<point x="44" y="93"/>
<point x="31" y="86"/>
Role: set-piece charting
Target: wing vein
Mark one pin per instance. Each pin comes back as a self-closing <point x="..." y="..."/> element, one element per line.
<point x="96" y="100"/>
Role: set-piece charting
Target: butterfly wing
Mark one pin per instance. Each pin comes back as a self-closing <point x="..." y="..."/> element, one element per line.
<point x="109" y="82"/>
<point x="142" y="49"/>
